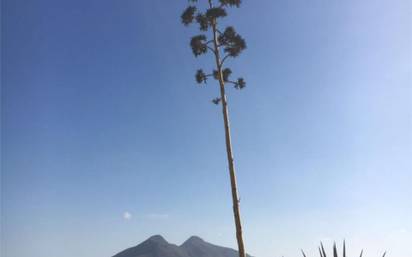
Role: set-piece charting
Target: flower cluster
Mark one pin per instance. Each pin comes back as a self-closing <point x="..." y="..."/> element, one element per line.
<point x="200" y="76"/>
<point x="232" y="42"/>
<point x="224" y="44"/>
<point x="230" y="2"/>
<point x="198" y="44"/>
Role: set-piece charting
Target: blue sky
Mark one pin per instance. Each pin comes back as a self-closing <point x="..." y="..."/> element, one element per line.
<point x="101" y="116"/>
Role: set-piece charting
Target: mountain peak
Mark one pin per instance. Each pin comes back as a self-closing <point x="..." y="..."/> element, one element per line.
<point x="194" y="239"/>
<point x="157" y="239"/>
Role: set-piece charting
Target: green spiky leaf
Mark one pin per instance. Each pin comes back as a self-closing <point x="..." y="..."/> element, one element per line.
<point x="323" y="249"/>
<point x="335" y="250"/>
<point x="320" y="252"/>
<point x="344" y="249"/>
<point x="303" y="253"/>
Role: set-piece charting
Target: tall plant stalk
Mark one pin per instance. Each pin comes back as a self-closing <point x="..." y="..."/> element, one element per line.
<point x="228" y="140"/>
<point x="232" y="45"/>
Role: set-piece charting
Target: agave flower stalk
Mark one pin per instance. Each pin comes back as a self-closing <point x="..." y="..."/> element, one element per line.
<point x="223" y="45"/>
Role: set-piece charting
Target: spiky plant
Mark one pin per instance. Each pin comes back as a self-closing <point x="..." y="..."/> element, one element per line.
<point x="322" y="251"/>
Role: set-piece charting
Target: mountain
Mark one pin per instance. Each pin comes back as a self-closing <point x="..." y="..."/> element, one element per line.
<point x="197" y="247"/>
<point x="157" y="246"/>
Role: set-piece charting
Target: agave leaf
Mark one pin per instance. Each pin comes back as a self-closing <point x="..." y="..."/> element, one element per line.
<point x="384" y="254"/>
<point x="344" y="249"/>
<point x="323" y="249"/>
<point x="335" y="250"/>
<point x="361" y="253"/>
<point x="304" y="255"/>
<point x="320" y="252"/>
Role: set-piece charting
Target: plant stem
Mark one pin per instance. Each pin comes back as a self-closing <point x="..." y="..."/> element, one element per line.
<point x="235" y="198"/>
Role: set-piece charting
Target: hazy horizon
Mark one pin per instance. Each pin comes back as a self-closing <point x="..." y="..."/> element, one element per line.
<point x="106" y="139"/>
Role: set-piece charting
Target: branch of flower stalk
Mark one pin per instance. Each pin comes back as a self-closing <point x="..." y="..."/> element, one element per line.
<point x="211" y="49"/>
<point x="224" y="58"/>
<point x="232" y="82"/>
<point x="239" y="84"/>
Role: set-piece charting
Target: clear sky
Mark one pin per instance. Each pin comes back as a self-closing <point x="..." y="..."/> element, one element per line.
<point x="106" y="138"/>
